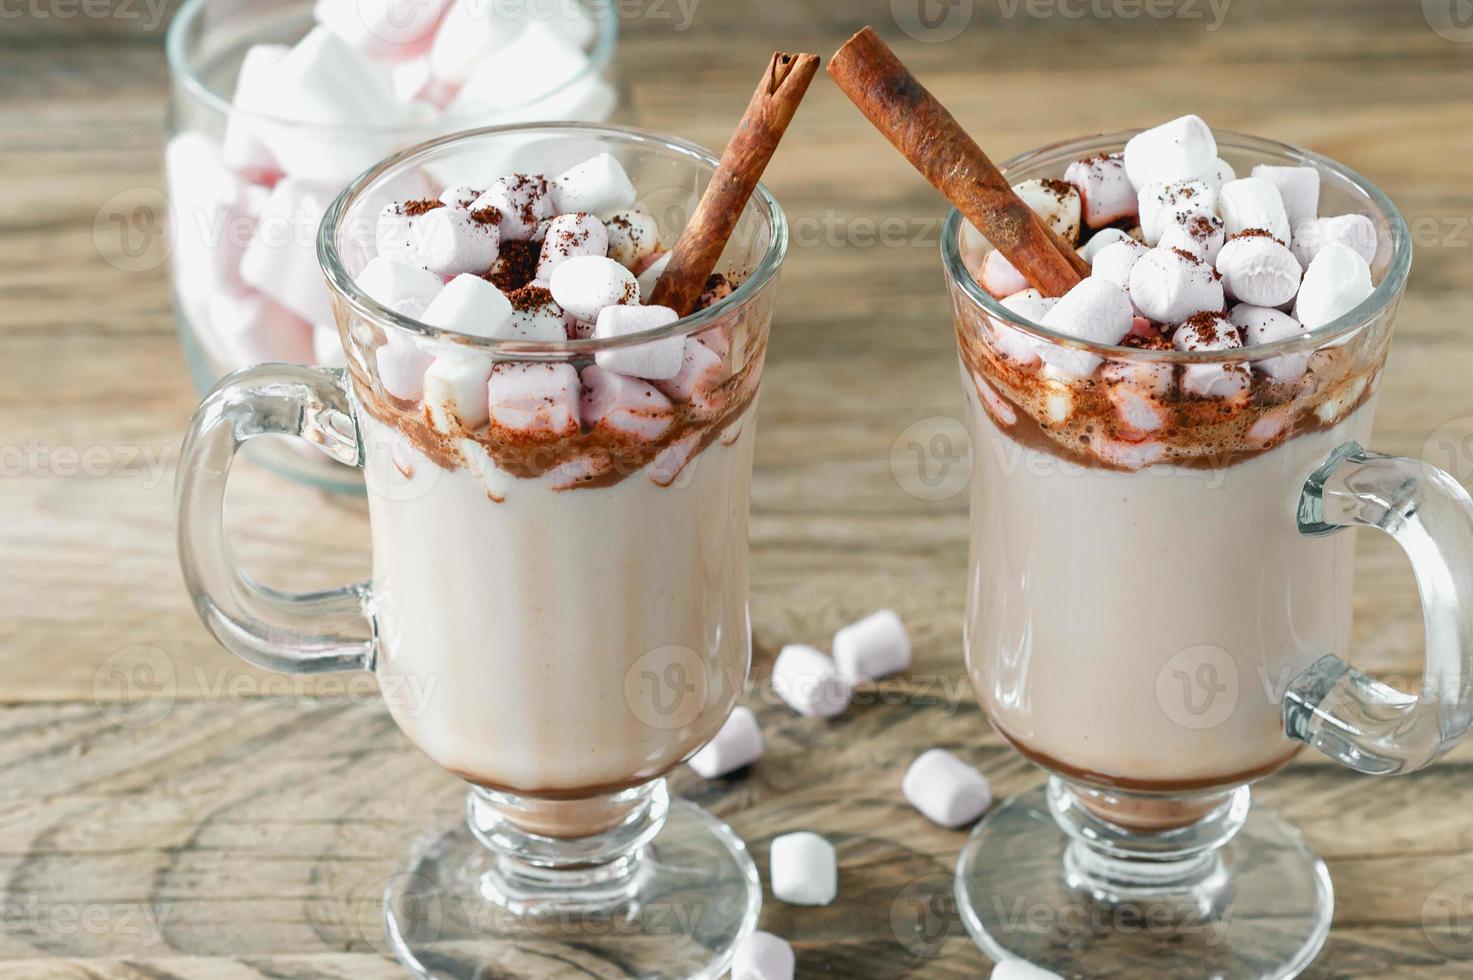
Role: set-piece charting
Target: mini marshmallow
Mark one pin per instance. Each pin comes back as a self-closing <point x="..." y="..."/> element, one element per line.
<point x="534" y="397"/>
<point x="1138" y="391"/>
<point x="1114" y="262"/>
<point x="652" y="273"/>
<point x="999" y="277"/>
<point x="1336" y="282"/>
<point x="1211" y="331"/>
<point x="1021" y="970"/>
<point x="451" y="241"/>
<point x="1056" y="202"/>
<point x="535" y="315"/>
<point x="624" y="405"/>
<point x="213" y="217"/>
<point x="401" y="367"/>
<point x="413" y="81"/>
<point x="945" y="789"/>
<point x="1200" y="233"/>
<point x="1095" y="310"/>
<point x="404" y="288"/>
<point x="455" y="390"/>
<point x="876" y="646"/>
<point x="634" y="235"/>
<point x="460" y="196"/>
<point x="387" y="29"/>
<point x="1031" y="305"/>
<point x="1101" y="238"/>
<point x="1104" y="188"/>
<point x="1355" y="231"/>
<point x="569" y="236"/>
<point x="281" y="260"/>
<point x="701" y="372"/>
<point x="1160" y="203"/>
<point x="524" y="200"/>
<point x="1299" y="190"/>
<point x="657" y="360"/>
<point x="1260" y="325"/>
<point x="470" y="305"/>
<point x="804" y="870"/>
<point x="763" y="956"/>
<point x="808" y="680"/>
<point x="1168" y="285"/>
<point x="1258" y="270"/>
<point x="250" y="328"/>
<point x="512" y="85"/>
<point x="1181" y="149"/>
<point x="737" y="744"/>
<point x="583" y="285"/>
<point x="241" y="148"/>
<point x="1253" y="203"/>
<point x="1218" y="174"/>
<point x="597" y="185"/>
<point x="472" y="31"/>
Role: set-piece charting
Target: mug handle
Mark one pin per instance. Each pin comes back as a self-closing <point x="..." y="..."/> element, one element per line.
<point x="1354" y="719"/>
<point x="306" y="633"/>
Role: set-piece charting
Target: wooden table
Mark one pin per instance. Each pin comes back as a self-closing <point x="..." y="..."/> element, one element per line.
<point x="167" y="812"/>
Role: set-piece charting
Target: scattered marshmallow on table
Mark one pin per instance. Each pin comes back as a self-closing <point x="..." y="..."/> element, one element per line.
<point x="1261" y="325"/>
<point x="1181" y="149"/>
<point x="875" y="647"/>
<point x="1299" y="190"/>
<point x="945" y="789"/>
<point x="1114" y="262"/>
<point x="763" y="956"/>
<point x="1259" y="270"/>
<point x="1057" y="202"/>
<point x="1098" y="241"/>
<point x="597" y="185"/>
<point x="570" y="236"/>
<point x="1353" y="230"/>
<point x="737" y="744"/>
<point x="1170" y="284"/>
<point x="657" y="360"/>
<point x="1201" y="233"/>
<point x="1095" y="310"/>
<point x="1021" y="970"/>
<point x="470" y="305"/>
<point x="623" y="404"/>
<point x="1211" y="331"/>
<point x="999" y="277"/>
<point x="534" y="397"/>
<point x="804" y="870"/>
<point x="586" y="284"/>
<point x="1163" y="203"/>
<point x="1104" y="189"/>
<point x="1336" y="282"/>
<point x="1250" y="203"/>
<point x="808" y="680"/>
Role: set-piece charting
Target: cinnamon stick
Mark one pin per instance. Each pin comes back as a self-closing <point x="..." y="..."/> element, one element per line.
<point x="933" y="141"/>
<point x="772" y="107"/>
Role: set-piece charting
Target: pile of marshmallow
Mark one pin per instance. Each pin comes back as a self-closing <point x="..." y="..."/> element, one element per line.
<point x="1186" y="255"/>
<point x="371" y="76"/>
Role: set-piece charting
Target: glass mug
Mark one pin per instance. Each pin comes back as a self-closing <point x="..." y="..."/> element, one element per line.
<point x="1158" y="608"/>
<point x="218" y="213"/>
<point x="559" y="625"/>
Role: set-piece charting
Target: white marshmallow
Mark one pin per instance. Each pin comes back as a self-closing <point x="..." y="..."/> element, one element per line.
<point x="1138" y="391"/>
<point x="634" y="235"/>
<point x="241" y="147"/>
<point x="1160" y="203"/>
<point x="624" y="405"/>
<point x="327" y="346"/>
<point x="524" y="201"/>
<point x="763" y="956"/>
<point x="701" y="372"/>
<point x="1181" y="149"/>
<point x="999" y="277"/>
<point x="1021" y="970"/>
<point x="1095" y="310"/>
<point x="1200" y="233"/>
<point x="455" y="390"/>
<point x="657" y="360"/>
<point x="737" y="744"/>
<point x="213" y="216"/>
<point x="249" y="328"/>
<point x="1056" y="202"/>
<point x="534" y="397"/>
<point x="1258" y="270"/>
<point x="1253" y="203"/>
<point x="403" y="288"/>
<point x="388" y="29"/>
<point x="413" y="81"/>
<point x="1336" y="282"/>
<point x="804" y="870"/>
<point x="1168" y="285"/>
<point x="472" y="31"/>
<point x="945" y="789"/>
<point x="1299" y="190"/>
<point x="451" y="241"/>
<point x="1355" y="231"/>
<point x="1260" y="325"/>
<point x="1114" y="262"/>
<point x="514" y="85"/>
<point x="401" y="367"/>
<point x="281" y="260"/>
<point x="460" y="196"/>
<point x="543" y="321"/>
<point x="1097" y="241"/>
<point x="876" y="646"/>
<point x="598" y="185"/>
<point x="1104" y="188"/>
<point x="569" y="236"/>
<point x="472" y="306"/>
<point x="650" y="277"/>
<point x="1218" y="174"/>
<point x="1211" y="332"/>
<point x="1031" y="305"/>
<point x="808" y="681"/>
<point x="585" y="284"/>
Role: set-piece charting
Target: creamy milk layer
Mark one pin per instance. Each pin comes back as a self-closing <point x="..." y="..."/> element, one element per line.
<point x="1137" y="629"/>
<point x="560" y="643"/>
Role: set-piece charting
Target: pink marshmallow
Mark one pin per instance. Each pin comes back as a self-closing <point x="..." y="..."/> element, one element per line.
<point x="624" y="405"/>
<point x="532" y="397"/>
<point x="569" y="236"/>
<point x="701" y="372"/>
<point x="717" y="339"/>
<point x="999" y="277"/>
<point x="668" y="464"/>
<point x="1106" y="189"/>
<point x="249" y="328"/>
